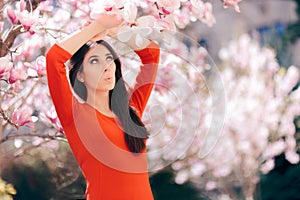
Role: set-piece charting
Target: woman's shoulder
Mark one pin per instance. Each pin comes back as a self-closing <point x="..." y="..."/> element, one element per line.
<point x="55" y="52"/>
<point x="150" y="54"/>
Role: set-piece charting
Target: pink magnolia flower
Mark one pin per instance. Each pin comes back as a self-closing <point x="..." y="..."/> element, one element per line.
<point x="40" y="65"/>
<point x="22" y="5"/>
<point x="52" y="116"/>
<point x="146" y="21"/>
<point x="166" y="23"/>
<point x="196" y="7"/>
<point x="198" y="4"/>
<point x="203" y="11"/>
<point x="27" y="19"/>
<point x="182" y="18"/>
<point x="59" y="127"/>
<point x="141" y="29"/>
<point x="38" y="68"/>
<point x="12" y="15"/>
<point x="102" y="6"/>
<point x="16" y="74"/>
<point x="233" y="3"/>
<point x="168" y="6"/>
<point x="207" y="15"/>
<point x="130" y="12"/>
<point x="45" y="6"/>
<point x="22" y="117"/>
<point x="5" y="66"/>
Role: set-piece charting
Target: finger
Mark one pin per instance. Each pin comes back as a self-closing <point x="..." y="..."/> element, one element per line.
<point x="113" y="32"/>
<point x="88" y="23"/>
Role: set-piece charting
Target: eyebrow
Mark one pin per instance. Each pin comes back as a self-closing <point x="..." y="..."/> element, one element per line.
<point x="94" y="56"/>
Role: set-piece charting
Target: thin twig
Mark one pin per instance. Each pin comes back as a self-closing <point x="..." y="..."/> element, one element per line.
<point x="6" y="118"/>
<point x="48" y="31"/>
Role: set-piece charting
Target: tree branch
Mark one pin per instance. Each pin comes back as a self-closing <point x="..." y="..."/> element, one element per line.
<point x="7" y="43"/>
<point x="54" y="137"/>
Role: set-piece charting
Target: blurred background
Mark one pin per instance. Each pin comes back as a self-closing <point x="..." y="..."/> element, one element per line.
<point x="256" y="154"/>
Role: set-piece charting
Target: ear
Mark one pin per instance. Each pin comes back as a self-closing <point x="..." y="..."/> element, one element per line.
<point x="80" y="77"/>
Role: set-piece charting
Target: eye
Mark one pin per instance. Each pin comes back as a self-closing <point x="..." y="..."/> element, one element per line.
<point x="109" y="58"/>
<point x="94" y="61"/>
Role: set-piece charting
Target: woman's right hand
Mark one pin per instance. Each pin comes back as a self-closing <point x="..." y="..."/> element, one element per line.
<point x="108" y="21"/>
<point x="104" y="22"/>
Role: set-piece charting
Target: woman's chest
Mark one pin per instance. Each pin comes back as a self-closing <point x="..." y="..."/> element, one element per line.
<point x="113" y="130"/>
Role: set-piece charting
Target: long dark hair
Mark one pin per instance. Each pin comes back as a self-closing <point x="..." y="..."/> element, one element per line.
<point x="134" y="129"/>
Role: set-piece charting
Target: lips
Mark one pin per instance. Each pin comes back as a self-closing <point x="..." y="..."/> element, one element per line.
<point x="108" y="79"/>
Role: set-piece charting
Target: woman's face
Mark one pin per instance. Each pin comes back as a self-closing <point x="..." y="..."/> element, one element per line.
<point x="98" y="69"/>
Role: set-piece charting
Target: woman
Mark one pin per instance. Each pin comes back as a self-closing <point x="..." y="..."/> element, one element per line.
<point x="103" y="125"/>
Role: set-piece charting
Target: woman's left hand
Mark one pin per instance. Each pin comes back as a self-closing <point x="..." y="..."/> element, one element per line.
<point x="113" y="32"/>
<point x="132" y="42"/>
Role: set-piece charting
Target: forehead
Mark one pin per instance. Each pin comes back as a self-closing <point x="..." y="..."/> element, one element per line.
<point x="97" y="50"/>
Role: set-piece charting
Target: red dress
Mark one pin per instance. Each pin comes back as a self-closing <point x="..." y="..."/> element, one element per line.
<point x="111" y="171"/>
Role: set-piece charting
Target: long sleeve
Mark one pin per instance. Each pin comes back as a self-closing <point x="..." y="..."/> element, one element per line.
<point x="146" y="77"/>
<point x="59" y="86"/>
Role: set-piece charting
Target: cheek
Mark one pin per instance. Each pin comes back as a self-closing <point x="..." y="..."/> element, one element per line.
<point x="93" y="73"/>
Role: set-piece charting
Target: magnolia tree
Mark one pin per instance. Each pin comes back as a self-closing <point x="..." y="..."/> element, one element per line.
<point x="186" y="112"/>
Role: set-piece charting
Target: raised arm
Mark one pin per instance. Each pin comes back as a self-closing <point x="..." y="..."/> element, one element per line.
<point x="146" y="78"/>
<point x="58" y="83"/>
<point x="93" y="31"/>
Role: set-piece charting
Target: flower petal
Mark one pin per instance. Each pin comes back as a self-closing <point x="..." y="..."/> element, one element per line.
<point x="124" y="33"/>
<point x="130" y="12"/>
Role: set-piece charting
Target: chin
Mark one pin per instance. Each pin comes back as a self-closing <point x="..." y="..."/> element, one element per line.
<point x="112" y="87"/>
<point x="106" y="87"/>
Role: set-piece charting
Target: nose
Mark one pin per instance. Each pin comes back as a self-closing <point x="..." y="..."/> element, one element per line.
<point x="108" y="68"/>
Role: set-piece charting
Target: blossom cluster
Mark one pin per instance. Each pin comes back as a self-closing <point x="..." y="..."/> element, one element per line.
<point x="28" y="19"/>
<point x="261" y="102"/>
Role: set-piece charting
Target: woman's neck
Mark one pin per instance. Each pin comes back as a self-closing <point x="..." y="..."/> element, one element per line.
<point x="100" y="101"/>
